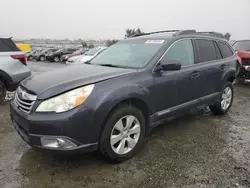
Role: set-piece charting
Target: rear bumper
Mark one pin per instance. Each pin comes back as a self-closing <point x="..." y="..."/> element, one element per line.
<point x="244" y="72"/>
<point x="13" y="83"/>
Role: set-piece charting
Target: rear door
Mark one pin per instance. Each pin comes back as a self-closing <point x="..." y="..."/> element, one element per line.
<point x="210" y="66"/>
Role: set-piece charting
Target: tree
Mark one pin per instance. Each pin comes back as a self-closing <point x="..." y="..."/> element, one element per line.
<point x="227" y="36"/>
<point x="84" y="44"/>
<point x="131" y="32"/>
<point x="91" y="46"/>
<point x="111" y="42"/>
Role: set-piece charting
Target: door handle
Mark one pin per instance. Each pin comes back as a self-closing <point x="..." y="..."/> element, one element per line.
<point x="195" y="74"/>
<point x="222" y="67"/>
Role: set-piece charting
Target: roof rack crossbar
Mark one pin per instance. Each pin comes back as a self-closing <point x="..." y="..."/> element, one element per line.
<point x="185" y="32"/>
<point x="155" y="32"/>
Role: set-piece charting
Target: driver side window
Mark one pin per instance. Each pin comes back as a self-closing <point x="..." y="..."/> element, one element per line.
<point x="181" y="51"/>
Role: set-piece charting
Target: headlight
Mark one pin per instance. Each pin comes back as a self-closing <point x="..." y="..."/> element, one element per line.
<point x="66" y="57"/>
<point x="66" y="101"/>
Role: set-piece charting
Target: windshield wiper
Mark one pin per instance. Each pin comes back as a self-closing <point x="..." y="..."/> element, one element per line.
<point x="109" y="65"/>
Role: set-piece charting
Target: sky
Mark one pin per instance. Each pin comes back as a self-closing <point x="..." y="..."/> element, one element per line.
<point x="108" y="19"/>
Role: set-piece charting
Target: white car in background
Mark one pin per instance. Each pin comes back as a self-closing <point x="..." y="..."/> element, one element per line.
<point x="86" y="57"/>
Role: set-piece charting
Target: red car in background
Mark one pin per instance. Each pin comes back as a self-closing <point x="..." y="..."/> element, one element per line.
<point x="243" y="50"/>
<point x="65" y="58"/>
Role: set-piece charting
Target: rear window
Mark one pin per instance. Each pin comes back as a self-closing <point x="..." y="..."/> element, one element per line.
<point x="7" y="45"/>
<point x="225" y="50"/>
<point x="206" y="50"/>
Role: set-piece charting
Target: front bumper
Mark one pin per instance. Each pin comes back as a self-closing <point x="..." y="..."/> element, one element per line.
<point x="74" y="126"/>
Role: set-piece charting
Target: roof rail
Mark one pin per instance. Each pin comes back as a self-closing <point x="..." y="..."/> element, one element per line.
<point x="216" y="34"/>
<point x="155" y="32"/>
<point x="184" y="32"/>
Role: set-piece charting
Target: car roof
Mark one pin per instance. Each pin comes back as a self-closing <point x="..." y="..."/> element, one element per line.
<point x="164" y="35"/>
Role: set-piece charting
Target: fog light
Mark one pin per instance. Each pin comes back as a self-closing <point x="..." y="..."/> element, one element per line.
<point x="53" y="142"/>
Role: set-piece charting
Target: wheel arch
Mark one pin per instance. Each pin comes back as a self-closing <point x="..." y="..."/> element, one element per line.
<point x="6" y="79"/>
<point x="229" y="76"/>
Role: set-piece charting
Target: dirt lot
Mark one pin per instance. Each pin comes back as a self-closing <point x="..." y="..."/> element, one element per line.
<point x="198" y="150"/>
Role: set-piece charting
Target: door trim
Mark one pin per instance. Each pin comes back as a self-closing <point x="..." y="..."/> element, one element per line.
<point x="187" y="104"/>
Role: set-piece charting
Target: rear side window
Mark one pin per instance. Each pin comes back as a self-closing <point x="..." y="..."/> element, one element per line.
<point x="181" y="51"/>
<point x="225" y="50"/>
<point x="7" y="45"/>
<point x="206" y="50"/>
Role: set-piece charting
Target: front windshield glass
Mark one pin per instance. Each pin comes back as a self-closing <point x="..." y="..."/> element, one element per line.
<point x="60" y="50"/>
<point x="242" y="46"/>
<point x="92" y="52"/>
<point x="133" y="54"/>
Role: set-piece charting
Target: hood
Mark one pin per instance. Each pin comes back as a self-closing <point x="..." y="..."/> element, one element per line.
<point x="75" y="58"/>
<point x="85" y="59"/>
<point x="61" y="80"/>
<point x="244" y="54"/>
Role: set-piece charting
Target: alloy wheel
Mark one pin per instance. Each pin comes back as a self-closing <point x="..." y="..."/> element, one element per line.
<point x="125" y="134"/>
<point x="226" y="98"/>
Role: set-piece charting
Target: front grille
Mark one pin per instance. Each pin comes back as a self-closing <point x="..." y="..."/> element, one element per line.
<point x="24" y="100"/>
<point x="245" y="61"/>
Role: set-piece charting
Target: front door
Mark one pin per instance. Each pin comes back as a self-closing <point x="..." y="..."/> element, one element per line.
<point x="177" y="88"/>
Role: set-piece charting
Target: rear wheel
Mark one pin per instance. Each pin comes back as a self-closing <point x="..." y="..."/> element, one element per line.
<point x="2" y="92"/>
<point x="56" y="59"/>
<point x="123" y="133"/>
<point x="226" y="100"/>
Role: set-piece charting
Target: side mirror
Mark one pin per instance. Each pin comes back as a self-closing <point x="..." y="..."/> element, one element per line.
<point x="170" y="65"/>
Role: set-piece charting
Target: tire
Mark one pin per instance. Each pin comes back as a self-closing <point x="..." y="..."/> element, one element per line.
<point x="42" y="58"/>
<point x="30" y="58"/>
<point x="219" y="108"/>
<point x="120" y="116"/>
<point x="2" y="92"/>
<point x="56" y="59"/>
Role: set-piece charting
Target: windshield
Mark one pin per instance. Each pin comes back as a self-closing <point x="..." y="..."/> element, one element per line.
<point x="59" y="50"/>
<point x="92" y="51"/>
<point x="242" y="46"/>
<point x="132" y="55"/>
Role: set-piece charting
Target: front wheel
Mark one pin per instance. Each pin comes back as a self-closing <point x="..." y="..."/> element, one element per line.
<point x="226" y="100"/>
<point x="123" y="133"/>
<point x="42" y="58"/>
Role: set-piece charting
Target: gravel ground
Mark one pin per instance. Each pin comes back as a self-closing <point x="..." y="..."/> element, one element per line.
<point x="198" y="150"/>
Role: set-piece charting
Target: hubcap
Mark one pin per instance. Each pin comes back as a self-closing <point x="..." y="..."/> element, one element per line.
<point x="226" y="98"/>
<point x="125" y="134"/>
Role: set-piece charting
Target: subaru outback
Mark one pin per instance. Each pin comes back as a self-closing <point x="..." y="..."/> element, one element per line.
<point x="111" y="103"/>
